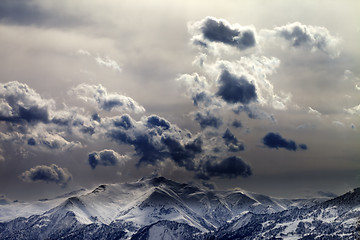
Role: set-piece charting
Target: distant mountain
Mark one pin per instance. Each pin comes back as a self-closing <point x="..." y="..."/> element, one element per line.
<point x="158" y="208"/>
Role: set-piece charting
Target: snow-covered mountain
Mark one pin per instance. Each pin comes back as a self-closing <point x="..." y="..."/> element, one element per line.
<point x="158" y="208"/>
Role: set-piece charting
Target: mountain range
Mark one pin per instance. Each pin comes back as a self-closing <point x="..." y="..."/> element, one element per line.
<point x="158" y="208"/>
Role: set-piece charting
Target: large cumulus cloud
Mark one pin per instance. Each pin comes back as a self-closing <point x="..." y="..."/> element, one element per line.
<point x="215" y="30"/>
<point x="20" y="103"/>
<point x="33" y="121"/>
<point x="154" y="139"/>
<point x="48" y="174"/>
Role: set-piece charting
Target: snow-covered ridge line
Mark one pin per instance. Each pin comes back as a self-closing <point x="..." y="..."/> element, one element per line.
<point x="145" y="207"/>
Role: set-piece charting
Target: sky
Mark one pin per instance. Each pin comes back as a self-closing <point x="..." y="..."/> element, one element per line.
<point x="258" y="95"/>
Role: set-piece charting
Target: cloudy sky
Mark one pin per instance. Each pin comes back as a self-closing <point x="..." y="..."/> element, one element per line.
<point x="258" y="95"/>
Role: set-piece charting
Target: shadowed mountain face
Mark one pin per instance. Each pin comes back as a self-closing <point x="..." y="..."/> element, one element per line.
<point x="158" y="208"/>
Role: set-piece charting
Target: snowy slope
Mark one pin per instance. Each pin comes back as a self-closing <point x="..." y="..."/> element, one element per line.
<point x="11" y="211"/>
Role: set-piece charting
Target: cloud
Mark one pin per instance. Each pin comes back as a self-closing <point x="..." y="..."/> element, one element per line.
<point x="102" y="61"/>
<point x="19" y="103"/>
<point x="237" y="124"/>
<point x="234" y="89"/>
<point x="109" y="63"/>
<point x="353" y="110"/>
<point x="303" y="146"/>
<point x="215" y="30"/>
<point x="97" y="94"/>
<point x="202" y="98"/>
<point x="199" y="90"/>
<point x="106" y="157"/>
<point x="48" y="174"/>
<point x="50" y="141"/>
<point x="33" y="121"/>
<point x="254" y="70"/>
<point x="314" y="112"/>
<point x="338" y="123"/>
<point x="350" y="76"/>
<point x="124" y="121"/>
<point x="207" y="118"/>
<point x="23" y="12"/>
<point x="309" y="37"/>
<point x="154" y="139"/>
<point x="254" y="112"/>
<point x="275" y="140"/>
<point x="154" y="121"/>
<point x="230" y="167"/>
<point x="234" y="145"/>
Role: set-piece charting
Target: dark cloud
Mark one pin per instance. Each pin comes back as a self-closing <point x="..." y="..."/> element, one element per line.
<point x="208" y="119"/>
<point x="31" y="142"/>
<point x="156" y="139"/>
<point x="237" y="124"/>
<point x="303" y="146"/>
<point x="234" y="89"/>
<point x="217" y="30"/>
<point x="97" y="94"/>
<point x="202" y="98"/>
<point x="124" y="122"/>
<point x="179" y="154"/>
<point x="52" y="173"/>
<point x="232" y="142"/>
<point x="96" y="117"/>
<point x="310" y="37"/>
<point x="106" y="157"/>
<point x="154" y="121"/>
<point x="230" y="167"/>
<point x="275" y="140"/>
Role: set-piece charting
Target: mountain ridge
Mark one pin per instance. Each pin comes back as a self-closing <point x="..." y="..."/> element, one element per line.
<point x="156" y="207"/>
